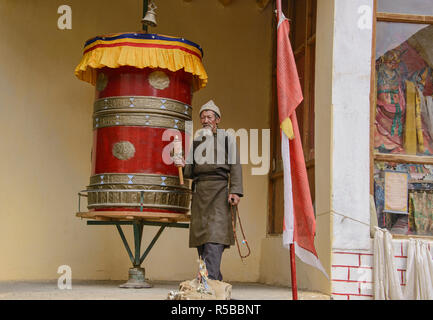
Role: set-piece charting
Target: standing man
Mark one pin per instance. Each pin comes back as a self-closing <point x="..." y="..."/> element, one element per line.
<point x="217" y="185"/>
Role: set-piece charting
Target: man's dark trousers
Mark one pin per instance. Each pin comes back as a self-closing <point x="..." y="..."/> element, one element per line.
<point x="211" y="253"/>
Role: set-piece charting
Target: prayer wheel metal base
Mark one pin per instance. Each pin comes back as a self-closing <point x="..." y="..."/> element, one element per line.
<point x="163" y="193"/>
<point x="136" y="274"/>
<point x="136" y="279"/>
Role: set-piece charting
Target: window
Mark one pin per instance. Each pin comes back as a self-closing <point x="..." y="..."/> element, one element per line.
<point x="402" y="116"/>
<point x="302" y="15"/>
<point x="412" y="7"/>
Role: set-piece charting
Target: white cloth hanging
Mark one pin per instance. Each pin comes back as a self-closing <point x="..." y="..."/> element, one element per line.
<point x="419" y="274"/>
<point x="386" y="281"/>
<point x="419" y="270"/>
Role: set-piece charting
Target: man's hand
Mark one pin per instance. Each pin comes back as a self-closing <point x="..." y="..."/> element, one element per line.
<point x="234" y="199"/>
<point x="179" y="162"/>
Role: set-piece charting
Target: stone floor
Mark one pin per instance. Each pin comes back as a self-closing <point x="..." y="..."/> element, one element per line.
<point x="109" y="290"/>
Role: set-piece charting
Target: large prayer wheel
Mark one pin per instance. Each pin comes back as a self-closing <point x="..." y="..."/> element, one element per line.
<point x="143" y="91"/>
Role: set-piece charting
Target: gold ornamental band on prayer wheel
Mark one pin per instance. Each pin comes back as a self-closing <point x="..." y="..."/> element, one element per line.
<point x="139" y="190"/>
<point x="155" y="105"/>
<point x="140" y="111"/>
<point x="138" y="179"/>
<point x="134" y="199"/>
<point x="138" y="119"/>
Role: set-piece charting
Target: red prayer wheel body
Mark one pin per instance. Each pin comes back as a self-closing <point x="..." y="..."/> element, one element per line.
<point x="135" y="110"/>
<point x="144" y="84"/>
<point x="130" y="81"/>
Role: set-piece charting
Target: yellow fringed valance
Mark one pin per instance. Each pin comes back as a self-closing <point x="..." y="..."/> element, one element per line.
<point x="141" y="50"/>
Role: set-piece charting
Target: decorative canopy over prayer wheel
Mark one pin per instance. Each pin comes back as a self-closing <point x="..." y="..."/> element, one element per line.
<point x="143" y="86"/>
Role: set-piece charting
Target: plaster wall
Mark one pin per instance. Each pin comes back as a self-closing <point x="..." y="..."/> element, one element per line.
<point x="46" y="133"/>
<point x="351" y="76"/>
<point x="343" y="72"/>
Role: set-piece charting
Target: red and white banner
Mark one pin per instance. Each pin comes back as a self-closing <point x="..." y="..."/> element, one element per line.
<point x="299" y="221"/>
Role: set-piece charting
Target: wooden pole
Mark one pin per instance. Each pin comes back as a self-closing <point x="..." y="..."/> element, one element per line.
<point x="180" y="175"/>
<point x="278" y="11"/>
<point x="292" y="247"/>
<point x="293" y="272"/>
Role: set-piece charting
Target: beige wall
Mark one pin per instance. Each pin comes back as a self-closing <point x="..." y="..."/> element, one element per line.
<point x="323" y="140"/>
<point x="45" y="123"/>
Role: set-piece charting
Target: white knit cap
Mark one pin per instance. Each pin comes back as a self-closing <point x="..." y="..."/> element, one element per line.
<point x="210" y="105"/>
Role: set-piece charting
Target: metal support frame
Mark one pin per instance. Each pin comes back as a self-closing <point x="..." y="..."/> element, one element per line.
<point x="136" y="273"/>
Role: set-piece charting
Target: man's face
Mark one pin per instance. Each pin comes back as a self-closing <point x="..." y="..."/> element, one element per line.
<point x="209" y="120"/>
